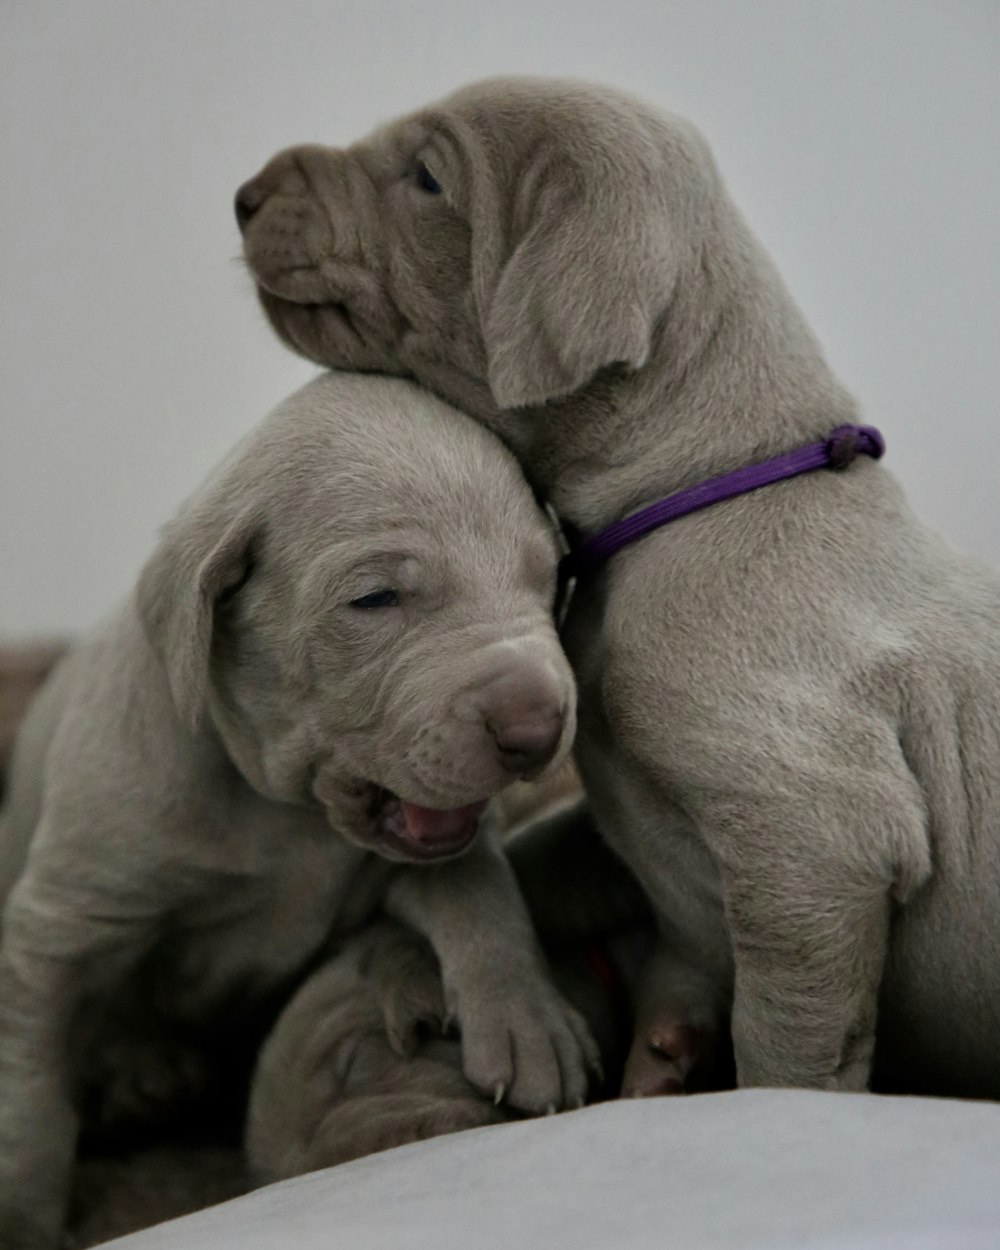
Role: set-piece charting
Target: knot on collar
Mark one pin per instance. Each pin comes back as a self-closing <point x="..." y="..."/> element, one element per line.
<point x="847" y="442"/>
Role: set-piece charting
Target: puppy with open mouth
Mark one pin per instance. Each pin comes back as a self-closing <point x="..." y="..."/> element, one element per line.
<point x="342" y="646"/>
<point x="789" y="688"/>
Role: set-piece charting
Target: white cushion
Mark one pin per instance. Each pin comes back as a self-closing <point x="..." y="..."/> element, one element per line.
<point x="750" y="1170"/>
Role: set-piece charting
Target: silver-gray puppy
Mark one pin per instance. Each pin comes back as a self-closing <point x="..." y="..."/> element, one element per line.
<point x="347" y="1071"/>
<point x="790" y="702"/>
<point x="341" y="647"/>
<point x="359" y="1060"/>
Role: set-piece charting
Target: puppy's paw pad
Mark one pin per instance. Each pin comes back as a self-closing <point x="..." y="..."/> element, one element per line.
<point x="661" y="1060"/>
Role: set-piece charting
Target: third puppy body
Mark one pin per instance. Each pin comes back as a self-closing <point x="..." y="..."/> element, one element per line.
<point x="360" y="1059"/>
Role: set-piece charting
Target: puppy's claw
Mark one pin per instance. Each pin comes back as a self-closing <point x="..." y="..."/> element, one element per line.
<point x="498" y="1092"/>
<point x="550" y="1109"/>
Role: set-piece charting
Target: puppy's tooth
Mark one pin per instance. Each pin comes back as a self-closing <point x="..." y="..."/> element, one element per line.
<point x="498" y="1093"/>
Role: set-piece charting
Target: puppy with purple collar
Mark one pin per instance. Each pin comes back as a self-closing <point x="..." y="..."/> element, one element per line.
<point x="789" y="700"/>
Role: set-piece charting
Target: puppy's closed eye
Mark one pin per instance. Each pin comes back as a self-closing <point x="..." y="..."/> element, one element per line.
<point x="385" y="598"/>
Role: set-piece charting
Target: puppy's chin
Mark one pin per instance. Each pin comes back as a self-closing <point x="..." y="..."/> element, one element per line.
<point x="301" y="285"/>
<point x="322" y="332"/>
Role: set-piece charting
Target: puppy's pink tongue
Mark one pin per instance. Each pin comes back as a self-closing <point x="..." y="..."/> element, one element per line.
<point x="430" y="828"/>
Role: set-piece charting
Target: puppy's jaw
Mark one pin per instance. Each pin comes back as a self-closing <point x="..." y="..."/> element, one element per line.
<point x="433" y="835"/>
<point x="449" y="768"/>
<point x="370" y="816"/>
<point x="328" y="331"/>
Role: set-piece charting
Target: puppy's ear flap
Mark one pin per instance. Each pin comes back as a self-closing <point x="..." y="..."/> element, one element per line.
<point x="178" y="593"/>
<point x="581" y="291"/>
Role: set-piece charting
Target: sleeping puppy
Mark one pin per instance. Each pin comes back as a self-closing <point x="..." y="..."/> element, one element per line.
<point x="340" y="648"/>
<point x="358" y="1062"/>
<point x="361" y="1059"/>
<point x="790" y="701"/>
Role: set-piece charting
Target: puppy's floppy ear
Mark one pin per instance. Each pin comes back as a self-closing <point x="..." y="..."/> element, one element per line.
<point x="196" y="561"/>
<point x="582" y="289"/>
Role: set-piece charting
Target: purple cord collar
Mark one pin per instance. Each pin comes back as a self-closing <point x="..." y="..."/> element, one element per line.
<point x="836" y="452"/>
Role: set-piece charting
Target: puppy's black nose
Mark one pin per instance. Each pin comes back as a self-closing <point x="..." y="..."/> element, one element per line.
<point x="248" y="199"/>
<point x="526" y="747"/>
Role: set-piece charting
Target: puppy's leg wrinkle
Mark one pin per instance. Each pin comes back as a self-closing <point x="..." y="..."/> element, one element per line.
<point x="38" y="1124"/>
<point x="51" y="951"/>
<point x="520" y="1038"/>
<point x="809" y="951"/>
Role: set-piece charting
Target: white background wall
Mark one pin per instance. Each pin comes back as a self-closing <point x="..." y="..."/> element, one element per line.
<point x="860" y="137"/>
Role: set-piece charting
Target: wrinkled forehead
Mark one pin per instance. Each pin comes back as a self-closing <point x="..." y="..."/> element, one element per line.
<point x="526" y="111"/>
<point x="470" y="552"/>
<point x="516" y="126"/>
<point x="440" y="500"/>
<point x="507" y="115"/>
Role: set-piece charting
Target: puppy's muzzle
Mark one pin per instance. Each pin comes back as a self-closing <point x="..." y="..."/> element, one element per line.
<point x="283" y="174"/>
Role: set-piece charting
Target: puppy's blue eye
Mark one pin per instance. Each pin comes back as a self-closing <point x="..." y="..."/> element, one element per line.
<point x="426" y="180"/>
<point x="377" y="599"/>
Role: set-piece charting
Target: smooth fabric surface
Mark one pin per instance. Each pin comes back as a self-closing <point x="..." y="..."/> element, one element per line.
<point x="748" y="1170"/>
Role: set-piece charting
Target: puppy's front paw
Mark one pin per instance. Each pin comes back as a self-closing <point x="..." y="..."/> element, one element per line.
<point x="523" y="1043"/>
